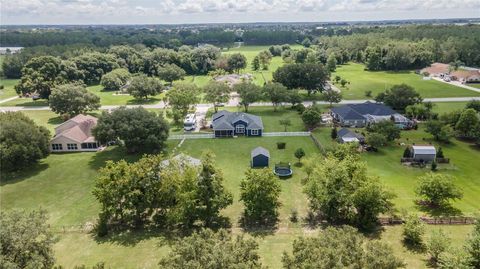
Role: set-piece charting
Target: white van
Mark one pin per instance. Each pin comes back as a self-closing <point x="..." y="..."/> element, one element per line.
<point x="190" y="122"/>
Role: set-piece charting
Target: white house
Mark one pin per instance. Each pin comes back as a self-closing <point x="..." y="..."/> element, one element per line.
<point x="75" y="135"/>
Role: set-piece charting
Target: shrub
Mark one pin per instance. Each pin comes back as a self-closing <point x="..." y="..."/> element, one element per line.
<point x="294" y="215"/>
<point x="333" y="133"/>
<point x="413" y="231"/>
<point x="368" y="93"/>
<point x="440" y="153"/>
<point x="281" y="145"/>
<point x="434" y="166"/>
<point x="407" y="153"/>
<point x="300" y="108"/>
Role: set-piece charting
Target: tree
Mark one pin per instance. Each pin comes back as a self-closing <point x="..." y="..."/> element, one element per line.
<point x="73" y="99"/>
<point x="468" y="123"/>
<point x="142" y="86"/>
<point x="343" y="82"/>
<point x="413" y="231"/>
<point x="437" y="244"/>
<point x="211" y="195"/>
<point x="139" y="129"/>
<point x="27" y="241"/>
<point x="299" y="154"/>
<point x="264" y="57"/>
<point x="309" y="76"/>
<point x="256" y="63"/>
<point x="439" y="130"/>
<point x="182" y="98"/>
<point x="386" y="128"/>
<point x="170" y="73"/>
<point x="294" y="98"/>
<point x="276" y="93"/>
<point x="473" y="104"/>
<point x="373" y="59"/>
<point x="331" y="62"/>
<point x="259" y="192"/>
<point x="342" y="247"/>
<point x="216" y="93"/>
<point x="22" y="142"/>
<point x="115" y="80"/>
<point x="473" y="245"/>
<point x="237" y="62"/>
<point x="333" y="133"/>
<point x="340" y="190"/>
<point x="248" y="92"/>
<point x="306" y="42"/>
<point x="399" y="97"/>
<point x="311" y="117"/>
<point x="41" y="74"/>
<point x="215" y="250"/>
<point x="94" y="65"/>
<point x="285" y="123"/>
<point x="332" y="96"/>
<point x="376" y="140"/>
<point x="437" y="189"/>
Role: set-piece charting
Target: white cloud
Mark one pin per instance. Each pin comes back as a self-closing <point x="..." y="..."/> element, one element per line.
<point x="140" y="11"/>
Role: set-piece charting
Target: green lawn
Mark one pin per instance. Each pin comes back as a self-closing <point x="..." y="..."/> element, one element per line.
<point x="8" y="90"/>
<point x="448" y="107"/>
<point x="377" y="81"/>
<point x="402" y="180"/>
<point x="475" y="85"/>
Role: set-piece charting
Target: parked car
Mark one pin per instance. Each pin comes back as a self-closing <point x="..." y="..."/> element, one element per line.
<point x="190" y="122"/>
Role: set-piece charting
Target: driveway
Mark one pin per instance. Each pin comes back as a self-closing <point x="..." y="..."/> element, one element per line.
<point x="458" y="84"/>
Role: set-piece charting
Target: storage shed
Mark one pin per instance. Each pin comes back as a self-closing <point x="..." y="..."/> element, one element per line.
<point x="259" y="157"/>
<point x="424" y="153"/>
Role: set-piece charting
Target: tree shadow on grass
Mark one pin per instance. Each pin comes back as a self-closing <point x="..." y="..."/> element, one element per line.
<point x="258" y="229"/>
<point x="33" y="103"/>
<point x="446" y="210"/>
<point x="13" y="177"/>
<point x="135" y="236"/>
<point x="113" y="153"/>
<point x="148" y="101"/>
<point x="56" y="120"/>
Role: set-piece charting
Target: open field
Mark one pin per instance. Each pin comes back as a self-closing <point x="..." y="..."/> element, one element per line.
<point x="62" y="184"/>
<point x="8" y="90"/>
<point x="448" y="107"/>
<point x="402" y="180"/>
<point x="378" y="81"/>
<point x="475" y="85"/>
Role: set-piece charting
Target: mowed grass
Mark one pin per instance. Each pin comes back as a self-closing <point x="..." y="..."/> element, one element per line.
<point x="62" y="185"/>
<point x="475" y="85"/>
<point x="8" y="88"/>
<point x="402" y="180"/>
<point x="445" y="107"/>
<point x="378" y="81"/>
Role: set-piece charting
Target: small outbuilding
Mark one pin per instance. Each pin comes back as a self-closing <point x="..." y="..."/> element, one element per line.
<point x="260" y="157"/>
<point x="424" y="153"/>
<point x="345" y="136"/>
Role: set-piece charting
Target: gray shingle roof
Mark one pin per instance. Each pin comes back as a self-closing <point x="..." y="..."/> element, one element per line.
<point x="224" y="120"/>
<point x="359" y="111"/>
<point x="260" y="151"/>
<point x="344" y="132"/>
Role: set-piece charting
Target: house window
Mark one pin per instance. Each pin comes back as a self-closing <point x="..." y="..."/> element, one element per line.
<point x="72" y="146"/>
<point x="89" y="145"/>
<point x="239" y="129"/>
<point x="57" y="147"/>
<point x="254" y="132"/>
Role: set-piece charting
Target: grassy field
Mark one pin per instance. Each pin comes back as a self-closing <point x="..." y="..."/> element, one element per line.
<point x="448" y="107"/>
<point x="62" y="184"/>
<point x="475" y="85"/>
<point x="8" y="90"/>
<point x="377" y="81"/>
<point x="402" y="180"/>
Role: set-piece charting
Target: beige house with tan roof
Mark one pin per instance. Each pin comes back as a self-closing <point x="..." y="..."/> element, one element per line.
<point x="75" y="135"/>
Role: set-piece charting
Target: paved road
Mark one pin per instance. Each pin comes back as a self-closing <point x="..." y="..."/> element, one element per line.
<point x="458" y="84"/>
<point x="235" y="102"/>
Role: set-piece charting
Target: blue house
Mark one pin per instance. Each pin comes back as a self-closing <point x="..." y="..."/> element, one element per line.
<point x="259" y="157"/>
<point x="228" y="124"/>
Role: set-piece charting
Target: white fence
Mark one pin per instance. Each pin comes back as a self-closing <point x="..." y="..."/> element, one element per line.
<point x="287" y="134"/>
<point x="191" y="136"/>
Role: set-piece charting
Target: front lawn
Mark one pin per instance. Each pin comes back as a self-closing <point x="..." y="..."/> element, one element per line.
<point x="378" y="81"/>
<point x="8" y="88"/>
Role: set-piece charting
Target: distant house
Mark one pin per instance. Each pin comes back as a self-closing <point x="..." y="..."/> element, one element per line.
<point x="75" y="135"/>
<point x="228" y="124"/>
<point x="259" y="157"/>
<point x="345" y="136"/>
<point x="436" y="69"/>
<point x="360" y="115"/>
<point x="466" y="76"/>
<point x="232" y="79"/>
<point x="424" y="153"/>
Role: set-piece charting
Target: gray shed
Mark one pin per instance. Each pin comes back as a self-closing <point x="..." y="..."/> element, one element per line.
<point x="259" y="157"/>
<point x="424" y="153"/>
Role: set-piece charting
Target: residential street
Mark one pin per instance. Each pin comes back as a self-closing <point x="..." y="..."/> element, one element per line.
<point x="235" y="102"/>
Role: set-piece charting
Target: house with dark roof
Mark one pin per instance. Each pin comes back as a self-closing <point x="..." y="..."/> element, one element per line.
<point x="228" y="124"/>
<point x="75" y="135"/>
<point x="360" y="115"/>
<point x="344" y="135"/>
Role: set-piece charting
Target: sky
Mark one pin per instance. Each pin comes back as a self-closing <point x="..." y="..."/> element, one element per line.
<point x="228" y="11"/>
